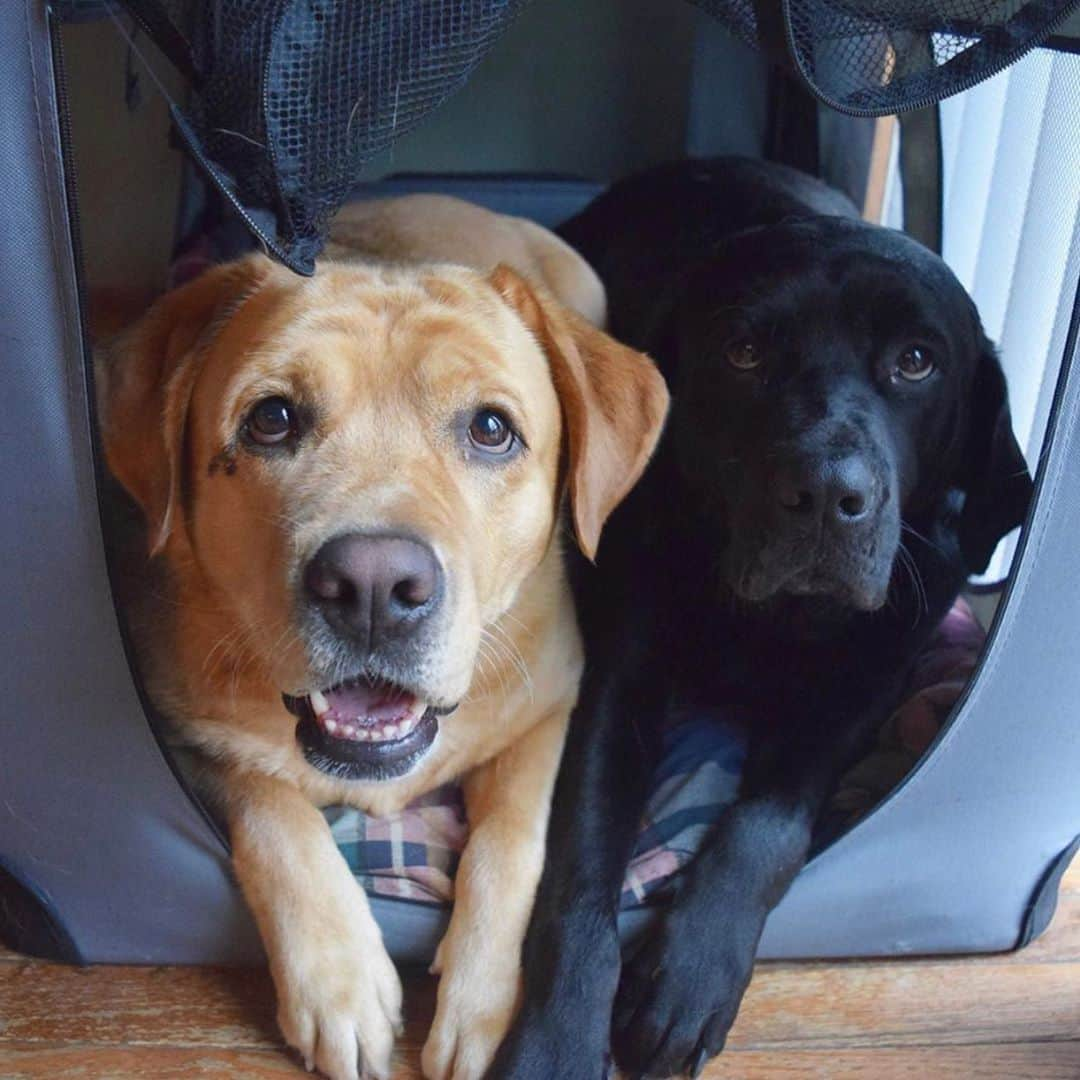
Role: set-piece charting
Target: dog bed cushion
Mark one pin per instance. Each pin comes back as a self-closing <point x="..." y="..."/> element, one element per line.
<point x="413" y="855"/>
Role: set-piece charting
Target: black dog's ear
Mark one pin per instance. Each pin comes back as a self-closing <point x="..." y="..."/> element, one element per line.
<point x="995" y="476"/>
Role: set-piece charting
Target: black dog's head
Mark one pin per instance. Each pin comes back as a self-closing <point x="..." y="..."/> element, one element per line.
<point x="833" y="383"/>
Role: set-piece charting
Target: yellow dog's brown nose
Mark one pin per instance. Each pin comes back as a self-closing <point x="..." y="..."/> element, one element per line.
<point x="374" y="588"/>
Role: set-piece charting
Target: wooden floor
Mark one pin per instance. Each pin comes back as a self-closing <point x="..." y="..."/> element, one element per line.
<point x="1009" y="1017"/>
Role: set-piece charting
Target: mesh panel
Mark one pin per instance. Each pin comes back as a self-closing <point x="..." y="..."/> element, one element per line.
<point x="293" y="97"/>
<point x="875" y="57"/>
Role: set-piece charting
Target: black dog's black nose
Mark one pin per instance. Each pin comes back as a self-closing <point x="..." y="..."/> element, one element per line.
<point x="841" y="491"/>
<point x="374" y="587"/>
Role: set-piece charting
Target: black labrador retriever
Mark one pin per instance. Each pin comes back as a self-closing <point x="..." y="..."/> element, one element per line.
<point x="838" y="459"/>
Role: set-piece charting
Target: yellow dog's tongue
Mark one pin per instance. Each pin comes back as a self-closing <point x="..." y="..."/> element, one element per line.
<point x="362" y="702"/>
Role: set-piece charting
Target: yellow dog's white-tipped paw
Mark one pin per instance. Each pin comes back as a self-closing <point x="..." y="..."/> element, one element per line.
<point x="471" y="1019"/>
<point x="343" y="1015"/>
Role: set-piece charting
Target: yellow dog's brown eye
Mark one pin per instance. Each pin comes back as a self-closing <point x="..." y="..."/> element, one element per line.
<point x="743" y="355"/>
<point x="915" y="363"/>
<point x="271" y="421"/>
<point x="491" y="432"/>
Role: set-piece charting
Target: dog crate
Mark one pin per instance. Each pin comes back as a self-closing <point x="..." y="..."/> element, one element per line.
<point x="104" y="855"/>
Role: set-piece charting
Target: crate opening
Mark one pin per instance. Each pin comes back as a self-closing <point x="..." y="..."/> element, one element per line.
<point x="135" y="243"/>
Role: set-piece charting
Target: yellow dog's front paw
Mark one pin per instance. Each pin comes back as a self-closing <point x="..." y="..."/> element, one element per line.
<point x="342" y="1013"/>
<point x="473" y="1014"/>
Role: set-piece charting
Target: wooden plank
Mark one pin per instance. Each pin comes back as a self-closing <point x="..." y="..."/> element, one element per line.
<point x="1015" y="1015"/>
<point x="31" y="1061"/>
<point x="839" y="1005"/>
<point x="182" y="1006"/>
<point x="1011" y="1061"/>
<point x="1016" y="1061"/>
<point x="897" y="1003"/>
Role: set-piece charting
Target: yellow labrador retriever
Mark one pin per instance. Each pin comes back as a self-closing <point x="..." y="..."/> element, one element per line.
<point x="354" y="487"/>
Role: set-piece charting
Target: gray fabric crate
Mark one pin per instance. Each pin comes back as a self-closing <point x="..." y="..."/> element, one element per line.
<point x="97" y="829"/>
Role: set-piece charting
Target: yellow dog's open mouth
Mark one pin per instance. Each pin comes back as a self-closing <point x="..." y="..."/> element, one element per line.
<point x="360" y="712"/>
<point x="364" y="730"/>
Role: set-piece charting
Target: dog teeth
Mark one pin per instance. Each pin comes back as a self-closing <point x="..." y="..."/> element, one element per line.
<point x="359" y="731"/>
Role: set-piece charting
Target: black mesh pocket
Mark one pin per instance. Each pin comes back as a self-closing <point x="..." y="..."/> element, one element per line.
<point x="876" y="57"/>
<point x="292" y="97"/>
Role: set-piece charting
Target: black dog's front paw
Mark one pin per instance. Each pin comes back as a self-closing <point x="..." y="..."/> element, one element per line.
<point x="677" y="1000"/>
<point x="534" y="1050"/>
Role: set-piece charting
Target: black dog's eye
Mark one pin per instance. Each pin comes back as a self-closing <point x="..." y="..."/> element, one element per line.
<point x="491" y="432"/>
<point x="742" y="355"/>
<point x="915" y="363"/>
<point x="271" y="422"/>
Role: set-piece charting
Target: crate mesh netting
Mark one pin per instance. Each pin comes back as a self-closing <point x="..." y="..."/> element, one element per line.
<point x="877" y="57"/>
<point x="290" y="98"/>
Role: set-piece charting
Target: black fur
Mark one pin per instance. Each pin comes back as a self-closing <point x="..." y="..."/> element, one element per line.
<point x="693" y="599"/>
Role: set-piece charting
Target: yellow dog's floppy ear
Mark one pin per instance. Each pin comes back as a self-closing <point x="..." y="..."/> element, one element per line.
<point x="144" y="379"/>
<point x="613" y="400"/>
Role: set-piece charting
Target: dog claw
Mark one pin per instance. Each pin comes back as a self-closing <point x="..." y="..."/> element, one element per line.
<point x="697" y="1063"/>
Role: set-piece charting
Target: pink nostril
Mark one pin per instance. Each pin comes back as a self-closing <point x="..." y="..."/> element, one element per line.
<point x="324" y="582"/>
<point x="414" y="591"/>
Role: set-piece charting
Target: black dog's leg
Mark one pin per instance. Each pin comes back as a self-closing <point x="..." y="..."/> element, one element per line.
<point x="571" y="955"/>
<point x="679" y="995"/>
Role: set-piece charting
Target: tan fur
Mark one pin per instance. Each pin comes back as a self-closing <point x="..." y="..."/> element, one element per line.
<point x="388" y="356"/>
<point x="438" y="228"/>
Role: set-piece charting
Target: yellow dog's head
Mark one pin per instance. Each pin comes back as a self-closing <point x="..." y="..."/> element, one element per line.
<point x="357" y="472"/>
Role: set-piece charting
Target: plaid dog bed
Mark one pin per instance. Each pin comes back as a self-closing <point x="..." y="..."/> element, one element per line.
<point x="413" y="855"/>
